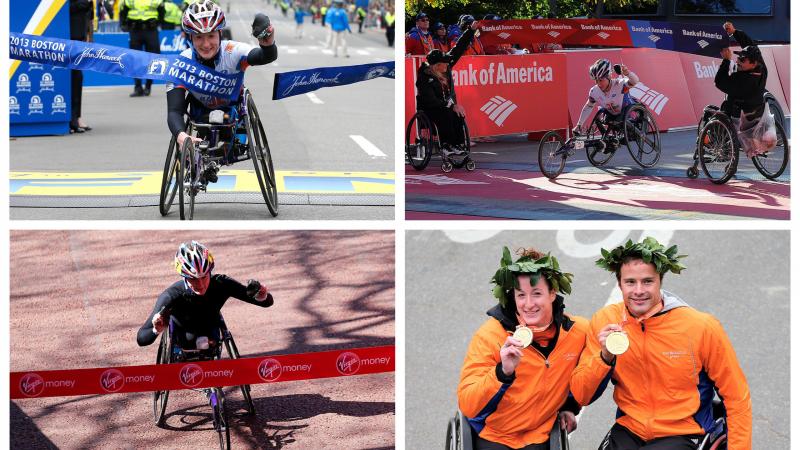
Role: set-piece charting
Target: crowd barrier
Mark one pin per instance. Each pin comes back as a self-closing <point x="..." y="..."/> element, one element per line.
<point x="512" y="94"/>
<point x="191" y="375"/>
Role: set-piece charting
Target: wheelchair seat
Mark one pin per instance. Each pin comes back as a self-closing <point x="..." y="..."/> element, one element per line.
<point x="461" y="435"/>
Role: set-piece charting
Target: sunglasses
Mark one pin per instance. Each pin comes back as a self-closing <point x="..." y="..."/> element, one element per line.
<point x="742" y="59"/>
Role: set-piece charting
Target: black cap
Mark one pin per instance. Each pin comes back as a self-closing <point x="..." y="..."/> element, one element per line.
<point x="751" y="52"/>
<point x="421" y="15"/>
<point x="437" y="56"/>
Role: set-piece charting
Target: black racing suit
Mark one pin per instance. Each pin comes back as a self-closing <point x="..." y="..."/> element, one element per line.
<point x="178" y="99"/>
<point x="745" y="89"/>
<point x="436" y="99"/>
<point x="195" y="315"/>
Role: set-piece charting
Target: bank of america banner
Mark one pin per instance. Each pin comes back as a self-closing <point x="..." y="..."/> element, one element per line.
<point x="697" y="39"/>
<point x="126" y="62"/>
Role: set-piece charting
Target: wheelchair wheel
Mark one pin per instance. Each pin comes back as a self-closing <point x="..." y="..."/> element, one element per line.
<point x="551" y="163"/>
<point x="777" y="112"/>
<point x="420" y="141"/>
<point x="772" y="163"/>
<point x="598" y="130"/>
<point x="185" y="179"/>
<point x="642" y="137"/>
<point x="220" y="418"/>
<point x="168" y="185"/>
<point x="261" y="156"/>
<point x="160" y="397"/>
<point x="717" y="150"/>
<point x="692" y="172"/>
<point x="233" y="353"/>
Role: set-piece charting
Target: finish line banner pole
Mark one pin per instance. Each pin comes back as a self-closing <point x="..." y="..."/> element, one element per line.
<point x="225" y="372"/>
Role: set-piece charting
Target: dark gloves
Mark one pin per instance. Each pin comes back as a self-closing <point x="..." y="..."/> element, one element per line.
<point x="253" y="286"/>
<point x="260" y="26"/>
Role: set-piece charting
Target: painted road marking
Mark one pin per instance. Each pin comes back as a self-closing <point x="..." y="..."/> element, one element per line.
<point x="368" y="146"/>
<point x="314" y="99"/>
<point x="149" y="183"/>
<point x="362" y="52"/>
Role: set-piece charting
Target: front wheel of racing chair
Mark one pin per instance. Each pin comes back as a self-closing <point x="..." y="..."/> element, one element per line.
<point x="551" y="162"/>
<point x="641" y="136"/>
<point x="164" y="356"/>
<point x="233" y="353"/>
<point x="461" y="435"/>
<point x="186" y="179"/>
<point x="169" y="186"/>
<point x="260" y="154"/>
<point x="460" y="160"/>
<point x="421" y="140"/>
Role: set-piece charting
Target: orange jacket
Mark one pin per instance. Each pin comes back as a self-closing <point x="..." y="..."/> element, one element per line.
<point x="522" y="411"/>
<point x="475" y="47"/>
<point x="665" y="382"/>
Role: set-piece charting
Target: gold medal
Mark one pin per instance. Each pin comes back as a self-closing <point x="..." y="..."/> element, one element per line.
<point x="617" y="342"/>
<point x="524" y="335"/>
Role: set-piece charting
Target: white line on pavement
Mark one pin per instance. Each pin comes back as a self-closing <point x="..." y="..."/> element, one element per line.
<point x="314" y="99"/>
<point x="362" y="52"/>
<point x="368" y="146"/>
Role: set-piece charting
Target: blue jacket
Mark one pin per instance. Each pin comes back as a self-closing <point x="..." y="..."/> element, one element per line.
<point x="299" y="14"/>
<point x="337" y="17"/>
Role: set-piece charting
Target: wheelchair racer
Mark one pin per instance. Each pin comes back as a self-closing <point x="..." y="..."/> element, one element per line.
<point x="513" y="393"/>
<point x="194" y="303"/>
<point x="745" y="86"/>
<point x="436" y="94"/>
<point x="609" y="94"/>
<point x="203" y="22"/>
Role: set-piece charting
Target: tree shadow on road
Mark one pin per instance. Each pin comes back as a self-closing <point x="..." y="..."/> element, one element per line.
<point x="25" y="433"/>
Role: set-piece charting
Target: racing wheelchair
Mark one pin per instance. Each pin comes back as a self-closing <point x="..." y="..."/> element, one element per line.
<point x="170" y="352"/>
<point x="717" y="147"/>
<point x="422" y="141"/>
<point x="635" y="127"/>
<point x="230" y="137"/>
<point x="461" y="435"/>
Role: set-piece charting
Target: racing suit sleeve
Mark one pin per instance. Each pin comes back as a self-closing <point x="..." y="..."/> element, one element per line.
<point x="482" y="381"/>
<point x="176" y="108"/>
<point x="239" y="291"/>
<point x="587" y="109"/>
<point x="146" y="336"/>
<point x="719" y="360"/>
<point x="633" y="79"/>
<point x="262" y="55"/>
<point x="592" y="374"/>
<point x="461" y="46"/>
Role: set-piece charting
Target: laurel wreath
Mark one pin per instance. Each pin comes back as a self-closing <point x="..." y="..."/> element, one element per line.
<point x="505" y="279"/>
<point x="649" y="250"/>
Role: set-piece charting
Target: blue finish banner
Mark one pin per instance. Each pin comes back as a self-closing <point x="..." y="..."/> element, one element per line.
<point x="302" y="81"/>
<point x="698" y="39"/>
<point x="126" y="62"/>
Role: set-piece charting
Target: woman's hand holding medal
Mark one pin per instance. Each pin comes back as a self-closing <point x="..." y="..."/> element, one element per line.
<point x="511" y="354"/>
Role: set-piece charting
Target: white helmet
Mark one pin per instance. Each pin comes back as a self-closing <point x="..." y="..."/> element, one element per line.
<point x="600" y="69"/>
<point x="204" y="16"/>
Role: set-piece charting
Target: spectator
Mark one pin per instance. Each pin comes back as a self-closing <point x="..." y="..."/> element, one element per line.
<point x="141" y="19"/>
<point x="389" y="20"/>
<point x="172" y="16"/>
<point x="81" y="15"/>
<point x="440" y="37"/>
<point x="362" y="16"/>
<point x="418" y="39"/>
<point x="475" y="47"/>
<point x="299" y="17"/>
<point x="337" y="17"/>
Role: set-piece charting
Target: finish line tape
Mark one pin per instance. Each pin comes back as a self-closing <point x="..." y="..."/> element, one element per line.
<point x="191" y="375"/>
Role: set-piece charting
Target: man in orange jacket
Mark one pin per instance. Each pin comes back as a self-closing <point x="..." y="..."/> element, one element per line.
<point x="665" y="359"/>
<point x="515" y="378"/>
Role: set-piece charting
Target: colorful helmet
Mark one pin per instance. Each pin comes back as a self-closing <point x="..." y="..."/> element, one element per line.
<point x="204" y="16"/>
<point x="193" y="260"/>
<point x="600" y="69"/>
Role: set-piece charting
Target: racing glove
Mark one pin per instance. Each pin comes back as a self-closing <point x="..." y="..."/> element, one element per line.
<point x="256" y="291"/>
<point x="260" y="25"/>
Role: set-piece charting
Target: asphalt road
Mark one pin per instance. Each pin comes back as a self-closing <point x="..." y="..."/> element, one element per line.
<point x="509" y="185"/>
<point x="318" y="132"/>
<point x="746" y="286"/>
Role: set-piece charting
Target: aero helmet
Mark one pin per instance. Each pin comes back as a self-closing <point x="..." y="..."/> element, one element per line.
<point x="204" y="16"/>
<point x="193" y="260"/>
<point x="600" y="69"/>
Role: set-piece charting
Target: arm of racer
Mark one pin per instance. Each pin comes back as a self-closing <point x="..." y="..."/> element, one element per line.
<point x="265" y="53"/>
<point x="591" y="375"/>
<point x="723" y="80"/>
<point x="719" y="360"/>
<point x="261" y="297"/>
<point x="461" y="45"/>
<point x="633" y="79"/>
<point x="146" y="334"/>
<point x="482" y="374"/>
<point x="587" y="109"/>
<point x="177" y="103"/>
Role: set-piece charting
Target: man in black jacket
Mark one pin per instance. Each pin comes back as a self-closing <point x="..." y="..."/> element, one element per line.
<point x="746" y="85"/>
<point x="81" y="14"/>
<point x="436" y="94"/>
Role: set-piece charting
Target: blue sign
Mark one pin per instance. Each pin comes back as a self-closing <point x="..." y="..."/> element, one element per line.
<point x="302" y="81"/>
<point x="681" y="37"/>
<point x="124" y="61"/>
<point x="39" y="94"/>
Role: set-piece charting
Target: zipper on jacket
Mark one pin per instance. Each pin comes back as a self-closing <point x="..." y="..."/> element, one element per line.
<point x="649" y="429"/>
